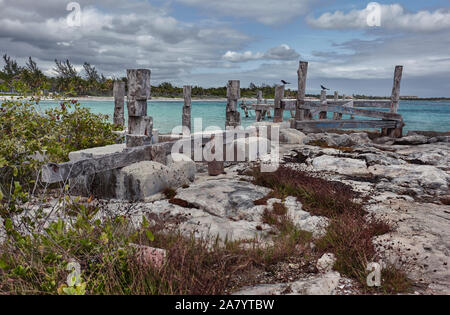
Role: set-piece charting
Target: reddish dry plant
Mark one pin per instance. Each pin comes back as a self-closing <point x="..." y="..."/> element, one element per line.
<point x="350" y="233"/>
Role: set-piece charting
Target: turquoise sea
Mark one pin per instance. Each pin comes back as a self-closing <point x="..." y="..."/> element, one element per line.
<point x="418" y="115"/>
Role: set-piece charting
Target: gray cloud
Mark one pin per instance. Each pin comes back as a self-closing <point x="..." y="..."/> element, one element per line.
<point x="282" y="52"/>
<point x="264" y="11"/>
<point x="392" y="17"/>
<point x="114" y="35"/>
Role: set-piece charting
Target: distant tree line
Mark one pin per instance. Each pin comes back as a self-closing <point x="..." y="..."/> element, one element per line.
<point x="68" y="81"/>
<point x="89" y="81"/>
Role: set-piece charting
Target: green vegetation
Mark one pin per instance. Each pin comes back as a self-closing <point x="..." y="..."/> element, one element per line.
<point x="28" y="138"/>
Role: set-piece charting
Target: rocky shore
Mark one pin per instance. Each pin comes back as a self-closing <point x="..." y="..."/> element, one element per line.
<point x="404" y="182"/>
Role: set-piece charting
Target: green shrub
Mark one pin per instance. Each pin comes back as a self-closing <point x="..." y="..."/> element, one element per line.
<point x="29" y="138"/>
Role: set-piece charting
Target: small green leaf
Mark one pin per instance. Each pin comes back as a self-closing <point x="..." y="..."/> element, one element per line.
<point x="150" y="236"/>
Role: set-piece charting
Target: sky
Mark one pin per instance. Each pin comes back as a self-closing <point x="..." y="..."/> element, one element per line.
<point x="351" y="46"/>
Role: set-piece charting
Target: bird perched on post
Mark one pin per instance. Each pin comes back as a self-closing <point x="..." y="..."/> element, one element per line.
<point x="284" y="82"/>
<point x="324" y="88"/>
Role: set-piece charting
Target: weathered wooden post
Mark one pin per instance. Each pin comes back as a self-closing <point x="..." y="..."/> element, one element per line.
<point x="267" y="112"/>
<point x="278" y="108"/>
<point x="186" y="118"/>
<point x="233" y="117"/>
<point x="119" y="99"/>
<point x="140" y="125"/>
<point x="336" y="98"/>
<point x="395" y="99"/>
<point x="300" y="113"/>
<point x="323" y="101"/>
<point x="258" y="112"/>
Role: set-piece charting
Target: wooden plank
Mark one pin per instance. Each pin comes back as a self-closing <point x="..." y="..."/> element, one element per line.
<point x="355" y="111"/>
<point x="302" y="73"/>
<point x="54" y="173"/>
<point x="344" y="124"/>
<point x="119" y="101"/>
<point x="289" y="104"/>
<point x="278" y="106"/>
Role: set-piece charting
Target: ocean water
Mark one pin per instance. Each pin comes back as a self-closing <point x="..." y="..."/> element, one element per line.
<point x="418" y="115"/>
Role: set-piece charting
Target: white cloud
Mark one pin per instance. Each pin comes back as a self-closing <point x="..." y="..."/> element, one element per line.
<point x="268" y="12"/>
<point x="393" y="17"/>
<point x="282" y="52"/>
<point x="128" y="34"/>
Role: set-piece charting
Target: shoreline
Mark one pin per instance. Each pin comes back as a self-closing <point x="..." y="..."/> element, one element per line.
<point x="179" y="99"/>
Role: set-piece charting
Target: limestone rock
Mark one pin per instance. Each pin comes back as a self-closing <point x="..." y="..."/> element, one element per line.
<point x="339" y="165"/>
<point x="325" y="263"/>
<point x="95" y="152"/>
<point x="424" y="176"/>
<point x="144" y="179"/>
<point x="223" y="197"/>
<point x="292" y="136"/>
<point x="248" y="149"/>
<point x="420" y="242"/>
<point x="324" y="284"/>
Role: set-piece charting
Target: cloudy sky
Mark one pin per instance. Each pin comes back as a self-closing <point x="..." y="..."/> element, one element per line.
<point x="207" y="42"/>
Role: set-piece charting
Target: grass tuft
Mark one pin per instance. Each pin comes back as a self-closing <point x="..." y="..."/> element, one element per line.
<point x="351" y="231"/>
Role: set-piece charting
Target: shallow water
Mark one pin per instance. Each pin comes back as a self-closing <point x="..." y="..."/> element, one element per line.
<point x="418" y="115"/>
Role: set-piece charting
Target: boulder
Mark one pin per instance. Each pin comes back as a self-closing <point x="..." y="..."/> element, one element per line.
<point x="325" y="263"/>
<point x="292" y="136"/>
<point x="223" y="197"/>
<point x="182" y="168"/>
<point x="147" y="178"/>
<point x="344" y="166"/>
<point x="248" y="149"/>
<point x="423" y="176"/>
<point x="412" y="140"/>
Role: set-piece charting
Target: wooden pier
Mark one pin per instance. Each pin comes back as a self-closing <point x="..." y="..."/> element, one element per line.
<point x="139" y="145"/>
<point x="390" y="122"/>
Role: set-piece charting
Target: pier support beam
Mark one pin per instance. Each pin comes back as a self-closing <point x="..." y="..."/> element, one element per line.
<point x="258" y="113"/>
<point x="278" y="107"/>
<point x="395" y="99"/>
<point x="140" y="126"/>
<point x="323" y="101"/>
<point x="302" y="114"/>
<point x="233" y="117"/>
<point x="186" y="118"/>
<point x="119" y="99"/>
<point x="336" y="98"/>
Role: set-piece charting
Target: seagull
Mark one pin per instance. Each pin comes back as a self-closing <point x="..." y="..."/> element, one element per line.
<point x="324" y="88"/>
<point x="284" y="82"/>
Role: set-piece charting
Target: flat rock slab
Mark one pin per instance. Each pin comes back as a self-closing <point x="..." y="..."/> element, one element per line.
<point x="324" y="284"/>
<point x="345" y="166"/>
<point x="420" y="241"/>
<point x="96" y="152"/>
<point x="223" y="197"/>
